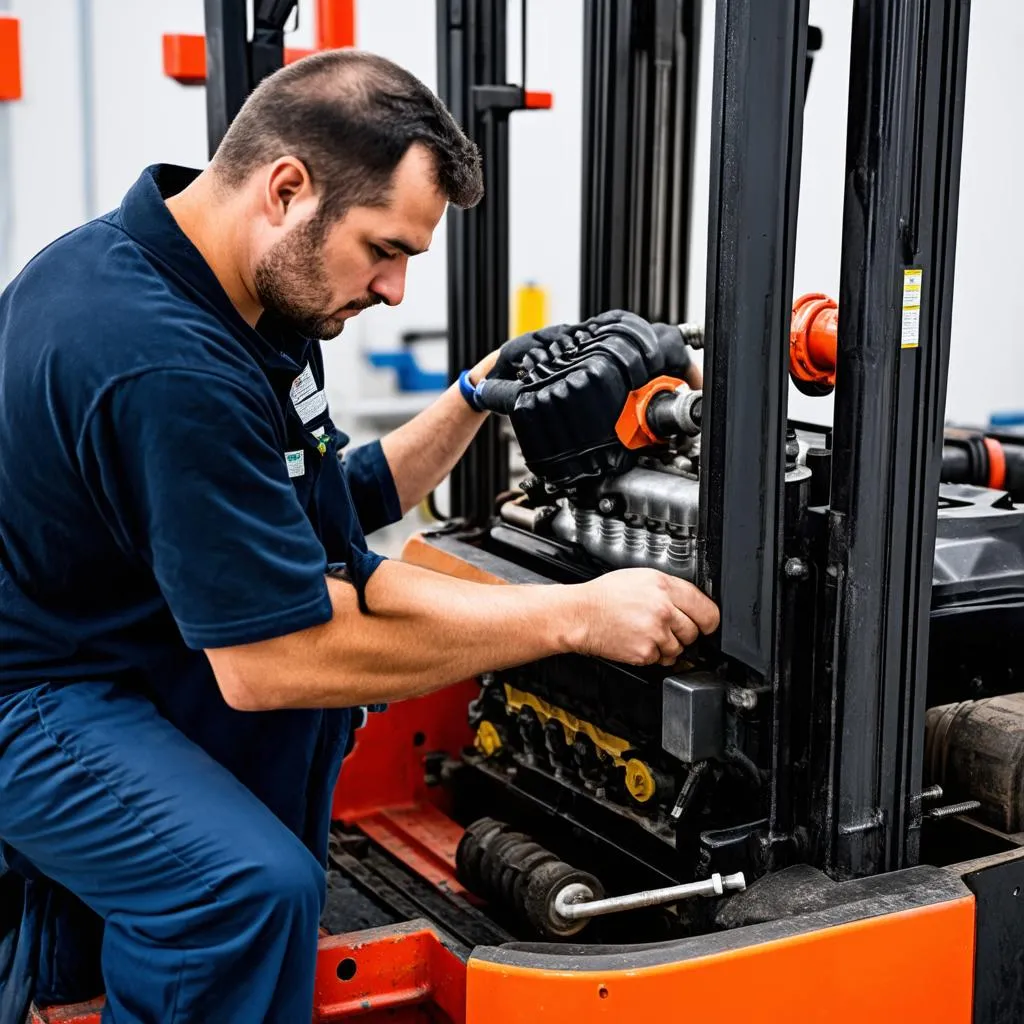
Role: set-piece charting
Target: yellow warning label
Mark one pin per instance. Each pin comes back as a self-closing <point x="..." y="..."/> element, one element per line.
<point x="911" y="332"/>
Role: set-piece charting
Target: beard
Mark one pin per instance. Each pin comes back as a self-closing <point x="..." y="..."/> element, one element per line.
<point x="291" y="283"/>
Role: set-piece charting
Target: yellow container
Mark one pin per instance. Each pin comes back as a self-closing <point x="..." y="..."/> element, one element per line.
<point x="531" y="309"/>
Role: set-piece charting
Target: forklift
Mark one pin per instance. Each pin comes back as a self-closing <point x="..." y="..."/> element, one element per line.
<point x="817" y="814"/>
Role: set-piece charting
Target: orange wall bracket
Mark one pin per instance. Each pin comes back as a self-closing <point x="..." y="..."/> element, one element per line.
<point x="10" y="59"/>
<point x="534" y="100"/>
<point x="185" y="55"/>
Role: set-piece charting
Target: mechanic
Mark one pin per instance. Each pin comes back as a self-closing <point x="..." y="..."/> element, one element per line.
<point x="188" y="606"/>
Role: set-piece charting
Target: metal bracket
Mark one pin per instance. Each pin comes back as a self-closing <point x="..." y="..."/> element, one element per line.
<point x="498" y="97"/>
<point x="693" y="717"/>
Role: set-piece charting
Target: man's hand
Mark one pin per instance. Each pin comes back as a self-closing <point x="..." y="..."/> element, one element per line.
<point x="640" y="617"/>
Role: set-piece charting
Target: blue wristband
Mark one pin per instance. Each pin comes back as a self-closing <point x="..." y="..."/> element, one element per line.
<point x="468" y="392"/>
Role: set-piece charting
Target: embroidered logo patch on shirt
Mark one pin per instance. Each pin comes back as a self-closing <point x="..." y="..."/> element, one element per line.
<point x="309" y="402"/>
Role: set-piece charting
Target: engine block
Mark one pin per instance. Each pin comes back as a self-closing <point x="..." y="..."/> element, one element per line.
<point x="644" y="517"/>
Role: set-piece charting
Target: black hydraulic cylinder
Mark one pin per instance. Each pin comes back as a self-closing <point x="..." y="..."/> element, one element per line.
<point x="957" y="466"/>
<point x="675" y="413"/>
<point x="896" y="287"/>
<point x="640" y="65"/>
<point x="984" y="460"/>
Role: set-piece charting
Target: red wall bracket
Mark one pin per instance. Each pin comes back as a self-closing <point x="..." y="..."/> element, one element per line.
<point x="10" y="58"/>
<point x="185" y="55"/>
<point x="335" y="24"/>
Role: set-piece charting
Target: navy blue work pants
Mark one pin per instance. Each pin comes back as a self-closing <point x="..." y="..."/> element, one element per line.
<point x="210" y="904"/>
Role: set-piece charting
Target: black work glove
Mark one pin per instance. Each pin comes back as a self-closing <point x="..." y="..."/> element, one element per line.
<point x="677" y="353"/>
<point x="565" y="411"/>
<point x="525" y="353"/>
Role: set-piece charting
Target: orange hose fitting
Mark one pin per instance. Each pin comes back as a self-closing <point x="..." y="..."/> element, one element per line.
<point x="812" y="340"/>
<point x="631" y="427"/>
<point x="996" y="463"/>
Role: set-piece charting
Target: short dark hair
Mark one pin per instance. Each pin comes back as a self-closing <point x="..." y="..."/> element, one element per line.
<point x="350" y="117"/>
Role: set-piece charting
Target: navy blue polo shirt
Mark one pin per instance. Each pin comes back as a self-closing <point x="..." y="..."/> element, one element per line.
<point x="171" y="480"/>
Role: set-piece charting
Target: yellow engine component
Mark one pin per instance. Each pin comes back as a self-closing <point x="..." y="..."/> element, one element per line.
<point x="639" y="780"/>
<point x="639" y="777"/>
<point x="488" y="740"/>
<point x="613" y="746"/>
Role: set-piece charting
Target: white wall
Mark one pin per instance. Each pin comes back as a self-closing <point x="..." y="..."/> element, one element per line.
<point x="986" y="370"/>
<point x="46" y="166"/>
<point x="545" y="155"/>
<point x="140" y="117"/>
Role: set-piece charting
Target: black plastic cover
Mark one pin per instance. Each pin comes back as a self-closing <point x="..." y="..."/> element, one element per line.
<point x="979" y="547"/>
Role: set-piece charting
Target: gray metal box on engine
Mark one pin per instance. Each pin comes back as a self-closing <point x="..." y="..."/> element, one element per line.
<point x="693" y="717"/>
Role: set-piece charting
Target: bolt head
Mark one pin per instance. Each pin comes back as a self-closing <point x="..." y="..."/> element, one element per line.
<point x="796" y="568"/>
<point x="742" y="698"/>
<point x="606" y="506"/>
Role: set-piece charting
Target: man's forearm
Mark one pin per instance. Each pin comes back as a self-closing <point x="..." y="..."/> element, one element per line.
<point x="426" y="631"/>
<point x="422" y="452"/>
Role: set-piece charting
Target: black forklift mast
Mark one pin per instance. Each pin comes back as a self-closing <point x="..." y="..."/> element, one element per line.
<point x="757" y="125"/>
<point x="867" y="685"/>
<point x="757" y="122"/>
<point x="847" y="674"/>
<point x="472" y="43"/>
<point x="907" y="81"/>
